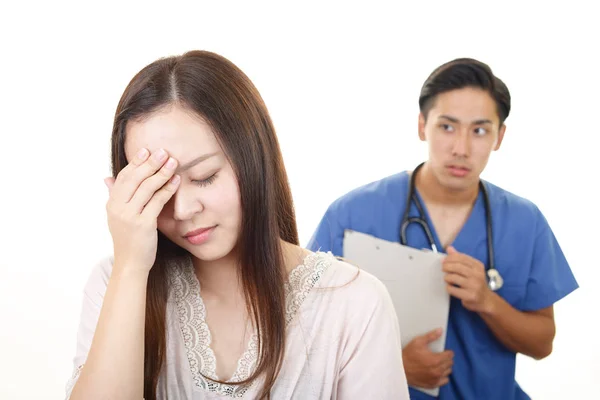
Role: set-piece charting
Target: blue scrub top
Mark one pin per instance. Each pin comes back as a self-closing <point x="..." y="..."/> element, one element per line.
<point x="528" y="256"/>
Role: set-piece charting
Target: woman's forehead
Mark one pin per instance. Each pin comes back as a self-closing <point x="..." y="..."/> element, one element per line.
<point x="179" y="132"/>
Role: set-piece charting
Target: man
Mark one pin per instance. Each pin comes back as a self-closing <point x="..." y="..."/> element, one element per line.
<point x="463" y="107"/>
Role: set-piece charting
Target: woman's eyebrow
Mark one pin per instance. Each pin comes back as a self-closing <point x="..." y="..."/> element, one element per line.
<point x="195" y="162"/>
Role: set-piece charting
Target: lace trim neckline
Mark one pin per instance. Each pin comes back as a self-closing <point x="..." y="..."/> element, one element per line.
<point x="191" y="312"/>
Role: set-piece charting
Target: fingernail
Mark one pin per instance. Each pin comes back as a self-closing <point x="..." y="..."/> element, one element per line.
<point x="171" y="163"/>
<point x="160" y="155"/>
<point x="175" y="179"/>
<point x="142" y="154"/>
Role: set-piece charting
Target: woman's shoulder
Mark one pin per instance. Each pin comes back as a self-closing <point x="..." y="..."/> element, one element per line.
<point x="348" y="281"/>
<point x="347" y="296"/>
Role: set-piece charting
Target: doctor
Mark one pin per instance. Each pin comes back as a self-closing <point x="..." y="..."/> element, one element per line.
<point x="504" y="267"/>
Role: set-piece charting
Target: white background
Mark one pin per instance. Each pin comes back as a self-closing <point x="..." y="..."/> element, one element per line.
<point x="341" y="82"/>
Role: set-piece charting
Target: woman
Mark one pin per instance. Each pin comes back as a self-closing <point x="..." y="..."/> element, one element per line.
<point x="208" y="294"/>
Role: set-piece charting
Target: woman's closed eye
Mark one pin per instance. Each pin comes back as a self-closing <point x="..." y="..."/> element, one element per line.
<point x="206" y="181"/>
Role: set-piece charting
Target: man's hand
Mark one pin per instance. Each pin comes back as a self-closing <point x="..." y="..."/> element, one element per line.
<point x="467" y="281"/>
<point x="423" y="367"/>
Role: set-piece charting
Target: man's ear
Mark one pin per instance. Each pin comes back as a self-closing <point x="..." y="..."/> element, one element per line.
<point x="500" y="137"/>
<point x="422" y="127"/>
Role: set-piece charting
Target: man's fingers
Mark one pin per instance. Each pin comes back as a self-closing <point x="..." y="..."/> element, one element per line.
<point x="443" y="381"/>
<point x="454" y="267"/>
<point x="455" y="279"/>
<point x="460" y="293"/>
<point x="454" y="256"/>
<point x="445" y="365"/>
<point x="432" y="336"/>
<point x="445" y="358"/>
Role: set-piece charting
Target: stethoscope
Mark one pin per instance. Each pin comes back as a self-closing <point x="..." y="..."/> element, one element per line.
<point x="495" y="280"/>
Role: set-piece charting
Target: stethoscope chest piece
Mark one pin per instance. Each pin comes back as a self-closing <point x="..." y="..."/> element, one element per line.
<point x="495" y="279"/>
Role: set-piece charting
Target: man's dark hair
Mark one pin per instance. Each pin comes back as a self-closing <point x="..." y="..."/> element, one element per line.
<point x="462" y="73"/>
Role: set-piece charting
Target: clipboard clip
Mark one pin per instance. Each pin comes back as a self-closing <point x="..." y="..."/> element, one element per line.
<point x="433" y="249"/>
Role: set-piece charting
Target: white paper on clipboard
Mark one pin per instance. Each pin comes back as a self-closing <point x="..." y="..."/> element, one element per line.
<point x="414" y="279"/>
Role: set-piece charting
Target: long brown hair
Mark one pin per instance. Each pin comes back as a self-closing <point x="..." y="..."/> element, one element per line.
<point x="226" y="99"/>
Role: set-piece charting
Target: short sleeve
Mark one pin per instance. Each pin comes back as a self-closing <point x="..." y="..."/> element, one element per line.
<point x="551" y="277"/>
<point x="372" y="358"/>
<point x="329" y="235"/>
<point x="93" y="296"/>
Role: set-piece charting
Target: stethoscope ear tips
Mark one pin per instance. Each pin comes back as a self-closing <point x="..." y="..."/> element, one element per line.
<point x="495" y="280"/>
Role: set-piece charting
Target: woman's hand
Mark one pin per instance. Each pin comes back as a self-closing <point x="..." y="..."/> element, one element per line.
<point x="137" y="196"/>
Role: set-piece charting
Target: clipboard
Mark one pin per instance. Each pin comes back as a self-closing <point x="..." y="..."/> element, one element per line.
<point x="414" y="279"/>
